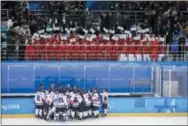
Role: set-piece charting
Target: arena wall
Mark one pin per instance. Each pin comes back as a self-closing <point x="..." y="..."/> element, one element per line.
<point x="25" y="77"/>
<point x="24" y="107"/>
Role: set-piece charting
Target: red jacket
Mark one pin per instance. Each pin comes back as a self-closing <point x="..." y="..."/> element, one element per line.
<point x="30" y="53"/>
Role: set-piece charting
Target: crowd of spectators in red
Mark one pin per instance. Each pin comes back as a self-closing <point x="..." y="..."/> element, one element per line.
<point x="57" y="47"/>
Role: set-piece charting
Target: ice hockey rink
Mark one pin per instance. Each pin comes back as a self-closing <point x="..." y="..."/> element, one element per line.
<point x="102" y="121"/>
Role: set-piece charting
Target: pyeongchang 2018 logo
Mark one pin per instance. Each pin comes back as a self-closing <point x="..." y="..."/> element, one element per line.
<point x="10" y="106"/>
<point x="168" y="107"/>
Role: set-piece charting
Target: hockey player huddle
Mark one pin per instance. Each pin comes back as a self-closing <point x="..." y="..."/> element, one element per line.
<point x="68" y="104"/>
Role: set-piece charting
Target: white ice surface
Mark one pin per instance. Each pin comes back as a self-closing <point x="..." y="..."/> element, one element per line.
<point x="102" y="121"/>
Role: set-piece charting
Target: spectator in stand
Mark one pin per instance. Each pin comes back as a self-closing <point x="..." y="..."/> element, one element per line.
<point x="175" y="48"/>
<point x="10" y="43"/>
<point x="25" y="12"/>
<point x="104" y="21"/>
<point x="111" y="21"/>
<point x="119" y="19"/>
<point x="88" y="19"/>
<point x="30" y="51"/>
<point x="20" y="46"/>
<point x="24" y="30"/>
<point x="33" y="26"/>
<point x="10" y="23"/>
<point x="126" y="22"/>
<point x="182" y="41"/>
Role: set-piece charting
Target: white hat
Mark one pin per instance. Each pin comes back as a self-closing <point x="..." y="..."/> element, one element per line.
<point x="106" y="30"/>
<point x="92" y="30"/>
<point x="112" y="31"/>
<point x="86" y="31"/>
<point x="106" y="38"/>
<point x="72" y="40"/>
<point x="120" y="28"/>
<point x="115" y="38"/>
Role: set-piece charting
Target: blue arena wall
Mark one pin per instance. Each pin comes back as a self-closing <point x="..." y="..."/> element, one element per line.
<point x="25" y="106"/>
<point x="25" y="77"/>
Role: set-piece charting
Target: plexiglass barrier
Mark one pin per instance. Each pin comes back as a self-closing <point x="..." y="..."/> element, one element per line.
<point x="122" y="77"/>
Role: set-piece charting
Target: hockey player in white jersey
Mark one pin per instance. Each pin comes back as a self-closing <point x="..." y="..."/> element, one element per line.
<point x="74" y="104"/>
<point x="47" y="103"/>
<point x="104" y="102"/>
<point x="95" y="103"/>
<point x="39" y="100"/>
<point x="81" y="105"/>
<point x="53" y="107"/>
<point x="61" y="106"/>
<point x="68" y="107"/>
<point x="87" y="105"/>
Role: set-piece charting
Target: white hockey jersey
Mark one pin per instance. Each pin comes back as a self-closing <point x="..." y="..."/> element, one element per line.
<point x="96" y="100"/>
<point x="80" y="99"/>
<point x="87" y="99"/>
<point x="67" y="97"/>
<point x="60" y="101"/>
<point x="39" y="98"/>
<point x="55" y="99"/>
<point x="74" y="100"/>
<point x="104" y="97"/>
<point x="49" y="99"/>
